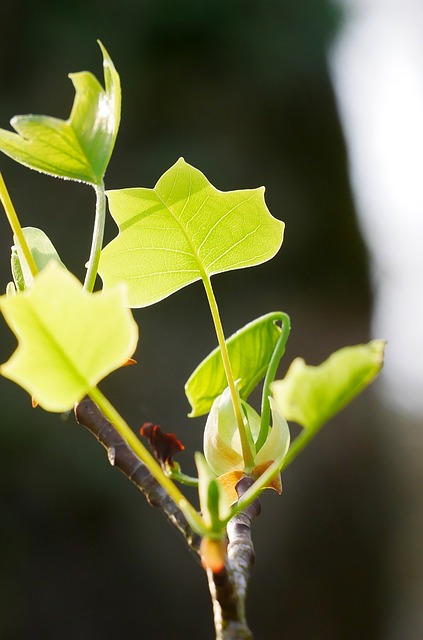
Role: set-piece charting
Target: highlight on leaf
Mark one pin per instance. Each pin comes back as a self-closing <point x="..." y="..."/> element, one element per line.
<point x="78" y="148"/>
<point x="65" y="346"/>
<point x="311" y="395"/>
<point x="182" y="231"/>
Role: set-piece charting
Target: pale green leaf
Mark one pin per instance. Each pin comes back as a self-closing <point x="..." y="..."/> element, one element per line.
<point x="250" y="350"/>
<point x="68" y="339"/>
<point x="42" y="251"/>
<point x="184" y="230"/>
<point x="78" y="148"/>
<point x="311" y="395"/>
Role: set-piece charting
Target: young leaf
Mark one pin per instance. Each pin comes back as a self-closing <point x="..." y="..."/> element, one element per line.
<point x="310" y="395"/>
<point x="16" y="268"/>
<point x="78" y="148"/>
<point x="250" y="350"/>
<point x="42" y="251"/>
<point x="213" y="502"/>
<point x="184" y="230"/>
<point x="68" y="339"/>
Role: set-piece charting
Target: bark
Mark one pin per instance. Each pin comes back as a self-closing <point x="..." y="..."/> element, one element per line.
<point x="122" y="457"/>
<point x="228" y="588"/>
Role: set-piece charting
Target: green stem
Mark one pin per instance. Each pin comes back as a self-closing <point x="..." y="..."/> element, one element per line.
<point x="150" y="462"/>
<point x="16" y="226"/>
<point x="178" y="476"/>
<point x="270" y="376"/>
<point x="245" y="444"/>
<point x="98" y="234"/>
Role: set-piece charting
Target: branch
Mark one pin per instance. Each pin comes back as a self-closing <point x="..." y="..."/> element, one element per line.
<point x="228" y="588"/>
<point x="122" y="457"/>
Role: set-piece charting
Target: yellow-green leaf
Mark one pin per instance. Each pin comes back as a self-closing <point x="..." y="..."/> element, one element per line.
<point x="310" y="395"/>
<point x="78" y="148"/>
<point x="184" y="230"/>
<point x="69" y="339"/>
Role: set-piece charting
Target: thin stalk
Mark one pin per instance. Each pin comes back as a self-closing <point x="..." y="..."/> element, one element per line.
<point x="245" y="445"/>
<point x="16" y="226"/>
<point x="150" y="462"/>
<point x="270" y="376"/>
<point x="178" y="476"/>
<point x="98" y="234"/>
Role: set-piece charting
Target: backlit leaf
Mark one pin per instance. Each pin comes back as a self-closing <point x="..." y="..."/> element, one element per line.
<point x="310" y="395"/>
<point x="250" y="350"/>
<point x="42" y="251"/>
<point x="184" y="230"/>
<point x="78" y="148"/>
<point x="68" y="339"/>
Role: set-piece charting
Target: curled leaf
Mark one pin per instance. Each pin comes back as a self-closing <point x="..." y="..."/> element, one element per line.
<point x="78" y="148"/>
<point x="250" y="350"/>
<point x="311" y="395"/>
<point x="42" y="251"/>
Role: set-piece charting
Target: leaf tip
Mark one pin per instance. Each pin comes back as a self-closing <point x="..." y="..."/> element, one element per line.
<point x="378" y="350"/>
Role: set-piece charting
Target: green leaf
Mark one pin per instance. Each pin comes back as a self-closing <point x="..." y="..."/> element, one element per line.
<point x="214" y="504"/>
<point x="68" y="339"/>
<point x="42" y="251"/>
<point x="250" y="351"/>
<point x="184" y="230"/>
<point x="310" y="395"/>
<point x="78" y="148"/>
<point x="16" y="268"/>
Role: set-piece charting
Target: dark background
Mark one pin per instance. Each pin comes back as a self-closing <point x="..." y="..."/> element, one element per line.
<point x="242" y="91"/>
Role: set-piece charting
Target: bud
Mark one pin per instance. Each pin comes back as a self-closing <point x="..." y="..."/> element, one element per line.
<point x="222" y="444"/>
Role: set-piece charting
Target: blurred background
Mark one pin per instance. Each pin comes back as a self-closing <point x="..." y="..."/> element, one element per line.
<point x="322" y="103"/>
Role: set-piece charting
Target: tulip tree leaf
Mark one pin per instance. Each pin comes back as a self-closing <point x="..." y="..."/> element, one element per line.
<point x="310" y="395"/>
<point x="42" y="250"/>
<point x="250" y="350"/>
<point x="78" y="148"/>
<point x="184" y="230"/>
<point x="68" y="339"/>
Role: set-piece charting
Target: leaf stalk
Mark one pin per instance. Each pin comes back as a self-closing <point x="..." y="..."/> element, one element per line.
<point x="247" y="452"/>
<point x="98" y="235"/>
<point x="15" y="225"/>
<point x="150" y="462"/>
<point x="270" y="376"/>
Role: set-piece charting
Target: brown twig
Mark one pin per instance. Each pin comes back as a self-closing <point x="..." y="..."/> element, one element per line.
<point x="123" y="458"/>
<point x="228" y="588"/>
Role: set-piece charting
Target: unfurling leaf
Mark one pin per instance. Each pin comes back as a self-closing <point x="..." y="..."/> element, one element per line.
<point x="78" y="148"/>
<point x="184" y="230"/>
<point x="68" y="339"/>
<point x="310" y="395"/>
<point x="214" y="505"/>
<point x="42" y="251"/>
<point x="250" y="350"/>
